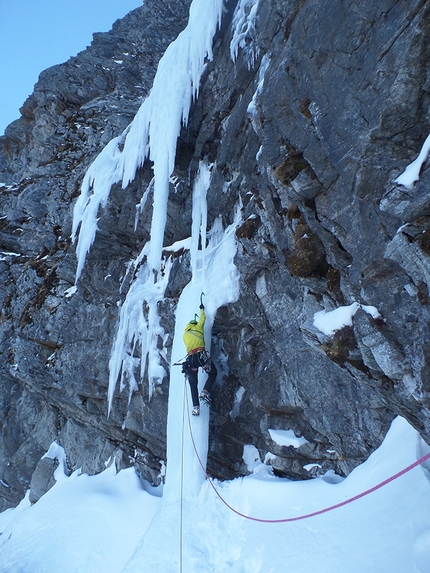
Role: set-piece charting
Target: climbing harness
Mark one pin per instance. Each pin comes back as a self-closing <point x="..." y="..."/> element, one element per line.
<point x="200" y="358"/>
<point x="205" y="360"/>
<point x="308" y="515"/>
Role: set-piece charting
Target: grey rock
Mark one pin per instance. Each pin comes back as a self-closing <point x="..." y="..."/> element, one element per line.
<point x="42" y="479"/>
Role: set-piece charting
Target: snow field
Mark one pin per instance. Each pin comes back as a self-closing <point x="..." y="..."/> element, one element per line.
<point x="101" y="523"/>
<point x="85" y="523"/>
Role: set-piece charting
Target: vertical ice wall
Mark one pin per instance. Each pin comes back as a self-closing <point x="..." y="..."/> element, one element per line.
<point x="214" y="273"/>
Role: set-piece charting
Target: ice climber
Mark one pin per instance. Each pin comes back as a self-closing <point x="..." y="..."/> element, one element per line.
<point x="198" y="357"/>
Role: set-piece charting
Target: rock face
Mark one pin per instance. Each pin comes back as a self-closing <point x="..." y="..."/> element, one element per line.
<point x="324" y="106"/>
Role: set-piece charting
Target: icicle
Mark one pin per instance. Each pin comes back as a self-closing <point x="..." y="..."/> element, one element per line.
<point x="96" y="186"/>
<point x="252" y="107"/>
<point x="136" y="340"/>
<point x="141" y="205"/>
<point x="199" y="219"/>
<point x="153" y="132"/>
<point x="139" y="328"/>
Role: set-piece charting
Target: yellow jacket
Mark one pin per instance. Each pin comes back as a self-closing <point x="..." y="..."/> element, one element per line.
<point x="194" y="337"/>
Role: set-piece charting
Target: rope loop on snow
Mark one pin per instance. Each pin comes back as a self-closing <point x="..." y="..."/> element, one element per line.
<point x="308" y="515"/>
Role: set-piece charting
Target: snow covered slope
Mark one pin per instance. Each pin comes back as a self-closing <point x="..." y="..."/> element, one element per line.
<point x="114" y="523"/>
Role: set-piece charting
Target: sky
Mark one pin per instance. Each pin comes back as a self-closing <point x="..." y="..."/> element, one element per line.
<point x="35" y="35"/>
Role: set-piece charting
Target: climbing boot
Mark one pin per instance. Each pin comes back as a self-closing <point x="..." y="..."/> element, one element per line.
<point x="196" y="411"/>
<point x="205" y="396"/>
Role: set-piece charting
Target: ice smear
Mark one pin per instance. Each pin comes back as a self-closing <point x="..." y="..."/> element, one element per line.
<point x="374" y="312"/>
<point x="8" y="253"/>
<point x="252" y="107"/>
<point x="412" y="171"/>
<point x="70" y="291"/>
<point x="244" y="21"/>
<point x="251" y="457"/>
<point x="329" y="322"/>
<point x="152" y="134"/>
<point x="309" y="467"/>
<point x="236" y="404"/>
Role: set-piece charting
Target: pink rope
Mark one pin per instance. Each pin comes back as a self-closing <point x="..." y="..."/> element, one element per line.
<point x="308" y="515"/>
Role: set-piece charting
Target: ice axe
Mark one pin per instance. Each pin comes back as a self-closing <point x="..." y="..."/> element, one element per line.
<point x="201" y="299"/>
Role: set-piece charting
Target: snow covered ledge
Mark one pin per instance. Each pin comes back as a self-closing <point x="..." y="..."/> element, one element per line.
<point x="412" y="172"/>
<point x="330" y="322"/>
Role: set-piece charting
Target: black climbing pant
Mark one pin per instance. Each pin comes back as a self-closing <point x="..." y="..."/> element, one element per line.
<point x="191" y="367"/>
